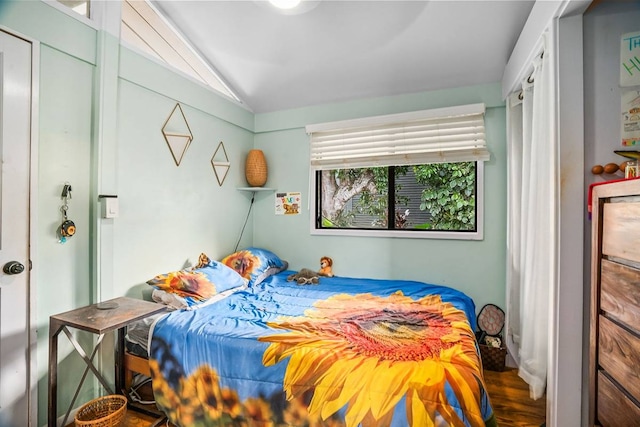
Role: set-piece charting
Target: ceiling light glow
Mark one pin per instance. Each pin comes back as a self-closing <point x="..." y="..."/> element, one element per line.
<point x="285" y="4"/>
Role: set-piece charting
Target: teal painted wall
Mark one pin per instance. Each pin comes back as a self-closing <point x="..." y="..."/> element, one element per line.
<point x="170" y="214"/>
<point x="63" y="280"/>
<point x="475" y="267"/>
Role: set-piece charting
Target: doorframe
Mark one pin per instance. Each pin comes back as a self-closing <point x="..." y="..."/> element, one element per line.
<point x="565" y="376"/>
<point x="32" y="369"/>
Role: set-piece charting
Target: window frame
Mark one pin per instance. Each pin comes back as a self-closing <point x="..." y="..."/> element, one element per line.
<point x="88" y="20"/>
<point x="410" y="138"/>
<point x="478" y="234"/>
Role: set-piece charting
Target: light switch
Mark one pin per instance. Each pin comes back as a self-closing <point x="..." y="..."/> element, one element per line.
<point x="110" y="206"/>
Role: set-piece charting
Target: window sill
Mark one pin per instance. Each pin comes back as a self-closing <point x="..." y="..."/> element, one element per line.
<point x="448" y="235"/>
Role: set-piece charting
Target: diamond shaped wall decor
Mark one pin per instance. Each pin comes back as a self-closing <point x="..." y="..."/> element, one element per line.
<point x="220" y="163"/>
<point x="177" y="133"/>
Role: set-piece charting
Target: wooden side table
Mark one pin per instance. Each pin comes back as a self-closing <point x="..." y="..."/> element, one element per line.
<point x="100" y="319"/>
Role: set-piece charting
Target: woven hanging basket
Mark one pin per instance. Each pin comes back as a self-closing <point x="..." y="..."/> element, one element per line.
<point x="256" y="168"/>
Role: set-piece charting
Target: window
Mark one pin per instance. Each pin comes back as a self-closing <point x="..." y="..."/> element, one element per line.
<point x="409" y="175"/>
<point x="80" y="7"/>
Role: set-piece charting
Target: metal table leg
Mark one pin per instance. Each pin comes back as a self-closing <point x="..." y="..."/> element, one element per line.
<point x="89" y="363"/>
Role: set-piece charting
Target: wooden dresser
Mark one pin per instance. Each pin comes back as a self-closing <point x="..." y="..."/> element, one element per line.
<point x="614" y="359"/>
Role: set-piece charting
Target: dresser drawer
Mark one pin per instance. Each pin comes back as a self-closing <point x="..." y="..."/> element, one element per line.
<point x="620" y="293"/>
<point x="615" y="409"/>
<point x="619" y="222"/>
<point x="619" y="355"/>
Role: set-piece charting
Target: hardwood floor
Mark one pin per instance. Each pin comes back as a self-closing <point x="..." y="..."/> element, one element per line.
<point x="512" y="405"/>
<point x="137" y="419"/>
<point x="509" y="396"/>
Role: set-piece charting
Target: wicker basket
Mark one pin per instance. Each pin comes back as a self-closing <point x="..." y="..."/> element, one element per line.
<point x="493" y="358"/>
<point x="106" y="411"/>
<point x="255" y="169"/>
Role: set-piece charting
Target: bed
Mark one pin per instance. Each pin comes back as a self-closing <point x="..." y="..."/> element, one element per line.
<point x="344" y="352"/>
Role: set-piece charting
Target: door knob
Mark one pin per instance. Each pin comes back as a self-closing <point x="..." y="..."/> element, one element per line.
<point x="13" y="267"/>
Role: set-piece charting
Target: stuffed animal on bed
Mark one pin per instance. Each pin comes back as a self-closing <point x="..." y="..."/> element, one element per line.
<point x="304" y="277"/>
<point x="203" y="261"/>
<point x="326" y="264"/>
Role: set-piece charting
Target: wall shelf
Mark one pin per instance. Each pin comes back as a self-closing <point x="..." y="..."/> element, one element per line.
<point x="254" y="189"/>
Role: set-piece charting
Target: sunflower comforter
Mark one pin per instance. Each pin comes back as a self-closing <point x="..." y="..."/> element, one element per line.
<point x="345" y="352"/>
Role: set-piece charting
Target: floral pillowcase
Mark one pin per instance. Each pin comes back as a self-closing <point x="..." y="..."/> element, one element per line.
<point x="194" y="286"/>
<point x="255" y="264"/>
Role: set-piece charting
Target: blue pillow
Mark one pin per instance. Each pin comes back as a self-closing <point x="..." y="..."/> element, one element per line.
<point x="197" y="285"/>
<point x="255" y="264"/>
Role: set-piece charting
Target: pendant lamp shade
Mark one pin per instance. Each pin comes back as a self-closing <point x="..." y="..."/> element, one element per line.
<point x="256" y="168"/>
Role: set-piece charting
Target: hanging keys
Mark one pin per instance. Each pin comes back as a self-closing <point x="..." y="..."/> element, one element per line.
<point x="67" y="228"/>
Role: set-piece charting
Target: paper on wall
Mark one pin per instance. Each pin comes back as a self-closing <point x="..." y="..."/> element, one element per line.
<point x="630" y="59"/>
<point x="630" y="121"/>
<point x="288" y="203"/>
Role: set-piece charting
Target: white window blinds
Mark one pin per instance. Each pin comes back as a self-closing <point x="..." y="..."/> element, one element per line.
<point x="452" y="134"/>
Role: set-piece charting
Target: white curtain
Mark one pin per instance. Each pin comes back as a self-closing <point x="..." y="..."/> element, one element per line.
<point x="531" y="226"/>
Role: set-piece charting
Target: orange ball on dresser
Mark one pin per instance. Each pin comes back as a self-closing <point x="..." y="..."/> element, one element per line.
<point x="611" y="168"/>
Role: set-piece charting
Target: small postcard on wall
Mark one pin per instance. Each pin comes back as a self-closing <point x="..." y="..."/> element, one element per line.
<point x="288" y="203"/>
<point x="630" y="118"/>
<point x="630" y="59"/>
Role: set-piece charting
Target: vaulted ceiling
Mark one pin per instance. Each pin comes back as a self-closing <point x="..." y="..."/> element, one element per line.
<point x="335" y="51"/>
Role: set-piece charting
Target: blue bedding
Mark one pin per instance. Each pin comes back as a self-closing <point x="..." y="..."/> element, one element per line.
<point x="345" y="352"/>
